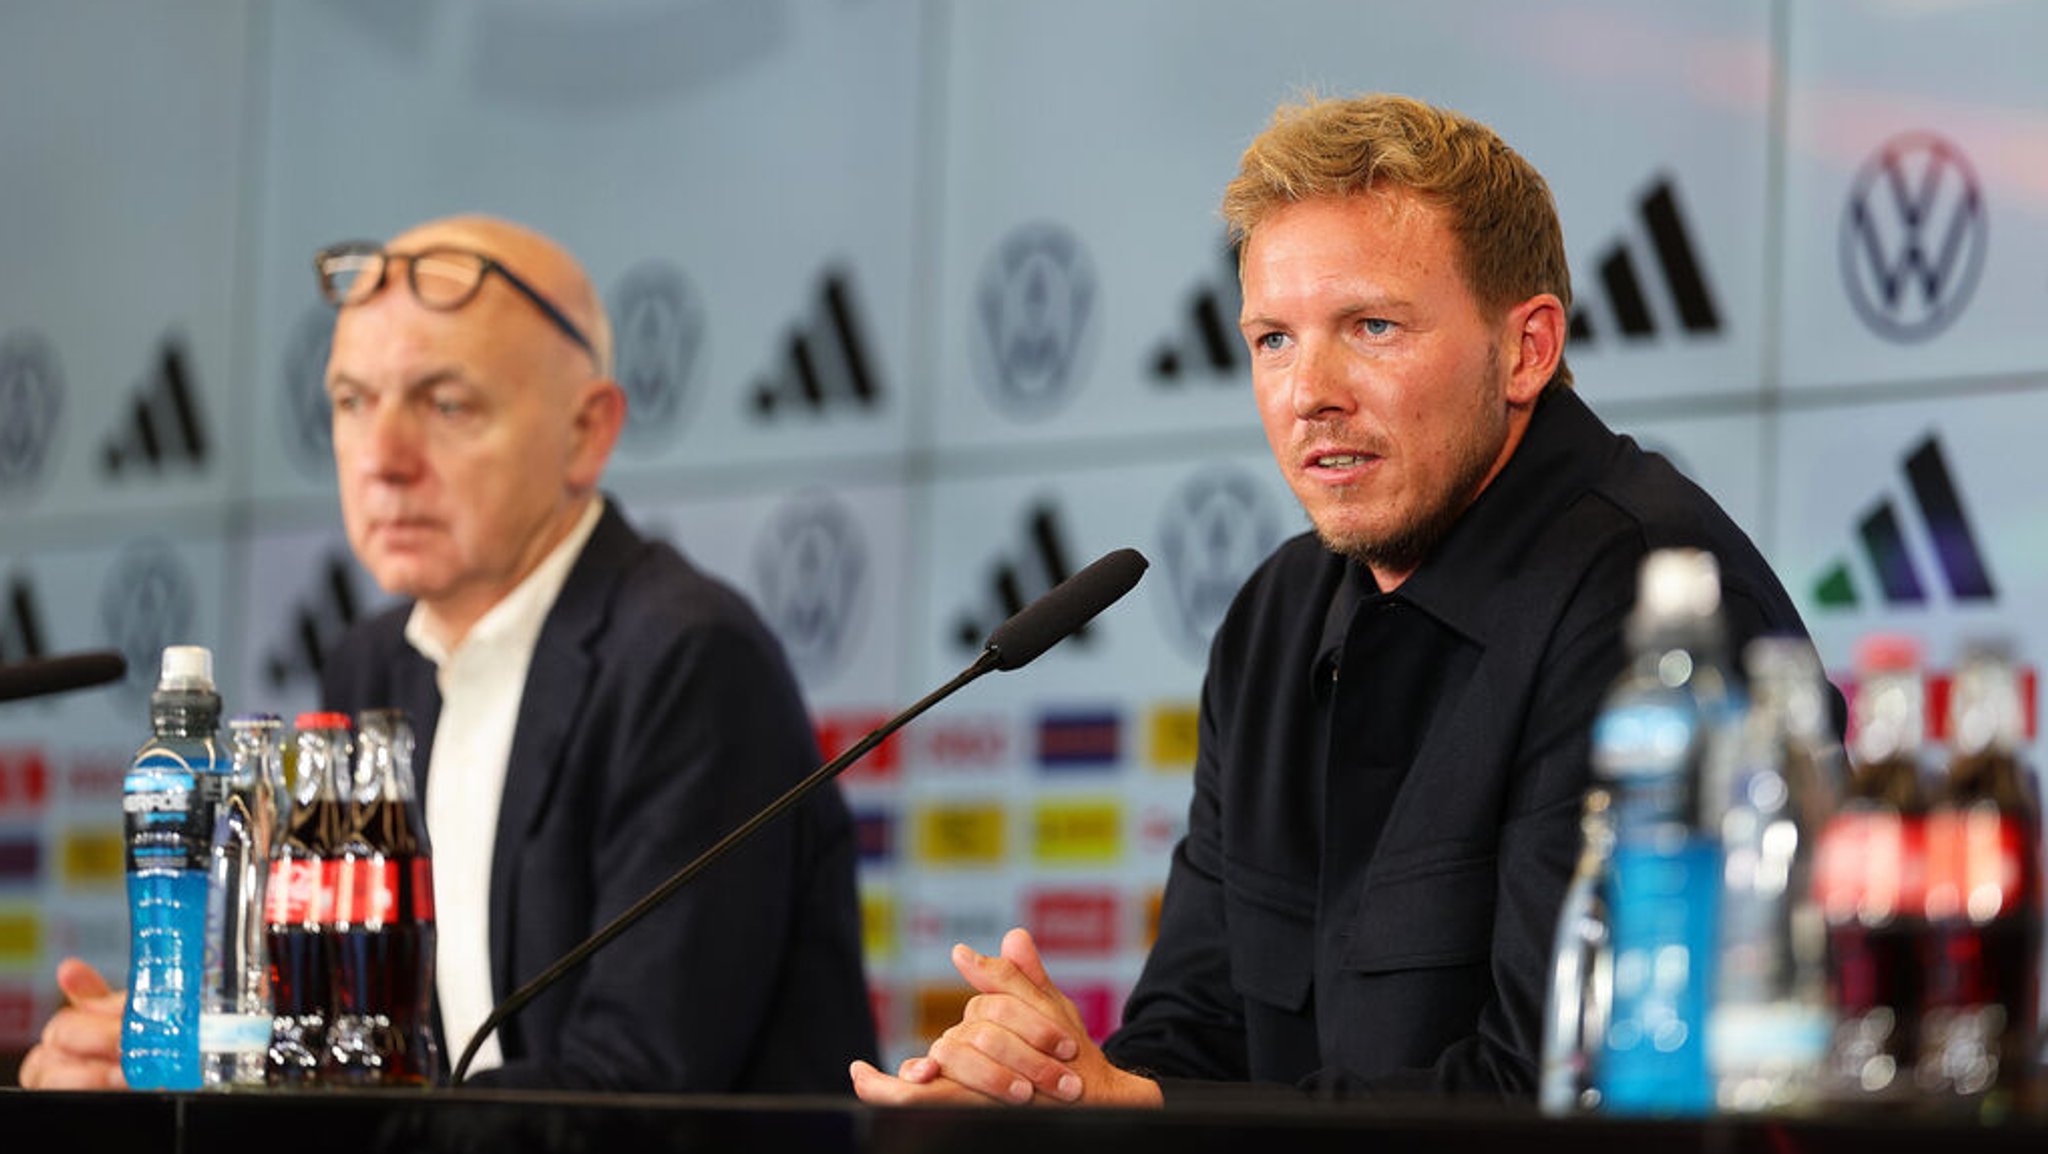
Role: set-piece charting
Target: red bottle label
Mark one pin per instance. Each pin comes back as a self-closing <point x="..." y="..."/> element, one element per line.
<point x="366" y="892"/>
<point x="423" y="890"/>
<point x="298" y="890"/>
<point x="1871" y="867"/>
<point x="1976" y="864"/>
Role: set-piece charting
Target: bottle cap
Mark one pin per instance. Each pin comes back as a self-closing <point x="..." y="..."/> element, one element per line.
<point x="1887" y="653"/>
<point x="1678" y="583"/>
<point x="321" y="720"/>
<point x="186" y="667"/>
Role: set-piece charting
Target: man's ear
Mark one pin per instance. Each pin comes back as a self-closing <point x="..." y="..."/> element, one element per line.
<point x="1535" y="331"/>
<point x="599" y="417"/>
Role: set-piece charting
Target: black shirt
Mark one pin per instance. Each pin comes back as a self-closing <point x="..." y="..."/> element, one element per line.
<point x="1388" y="784"/>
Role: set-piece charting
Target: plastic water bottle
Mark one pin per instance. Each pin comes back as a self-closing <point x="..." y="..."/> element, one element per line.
<point x="234" y="1021"/>
<point x="1657" y="729"/>
<point x="1581" y="972"/>
<point x="1772" y="1020"/>
<point x="168" y="828"/>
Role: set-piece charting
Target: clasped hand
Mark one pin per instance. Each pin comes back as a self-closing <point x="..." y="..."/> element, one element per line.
<point x="1020" y="1040"/>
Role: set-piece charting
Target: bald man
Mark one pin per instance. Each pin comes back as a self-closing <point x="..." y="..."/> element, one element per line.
<point x="596" y="710"/>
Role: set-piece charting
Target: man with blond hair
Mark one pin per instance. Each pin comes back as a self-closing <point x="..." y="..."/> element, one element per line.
<point x="595" y="710"/>
<point x="1395" y="718"/>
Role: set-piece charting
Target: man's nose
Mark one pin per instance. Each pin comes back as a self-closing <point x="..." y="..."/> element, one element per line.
<point x="1320" y="384"/>
<point x="390" y="446"/>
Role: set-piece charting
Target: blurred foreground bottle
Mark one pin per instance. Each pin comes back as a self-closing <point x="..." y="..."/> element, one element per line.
<point x="1983" y="898"/>
<point x="381" y="939"/>
<point x="1581" y="972"/>
<point x="168" y="826"/>
<point x="234" y="1020"/>
<point x="1771" y="1020"/>
<point x="1872" y="875"/>
<point x="1658" y="728"/>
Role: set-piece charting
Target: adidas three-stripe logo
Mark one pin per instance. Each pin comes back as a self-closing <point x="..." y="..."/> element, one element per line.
<point x="322" y="617"/>
<point x="1014" y="584"/>
<point x="1208" y="343"/>
<point x="827" y="363"/>
<point x="1621" y="284"/>
<point x="164" y="424"/>
<point x="1949" y="535"/>
<point x="21" y="633"/>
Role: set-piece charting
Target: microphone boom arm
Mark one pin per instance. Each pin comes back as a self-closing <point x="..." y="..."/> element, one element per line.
<point x="986" y="663"/>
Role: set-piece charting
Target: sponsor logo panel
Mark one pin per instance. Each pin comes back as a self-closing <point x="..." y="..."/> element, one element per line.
<point x="21" y="1019"/>
<point x="939" y="1006"/>
<point x="1208" y="345"/>
<point x="1080" y="739"/>
<point x="21" y="859"/>
<point x="21" y="937"/>
<point x="962" y="835"/>
<point x="1915" y="232"/>
<point x="826" y="365"/>
<point x="1632" y="312"/>
<point x="1937" y="511"/>
<point x="1172" y="733"/>
<point x="24" y="780"/>
<point x="875" y="834"/>
<point x="658" y="337"/>
<point x="1074" y="921"/>
<point x="90" y="858"/>
<point x="931" y="923"/>
<point x="164" y="427"/>
<point x="877" y="924"/>
<point x="1100" y="1005"/>
<point x="839" y="731"/>
<point x="966" y="743"/>
<point x="31" y="409"/>
<point x="810" y="578"/>
<point x="1087" y="832"/>
<point x="1033" y="315"/>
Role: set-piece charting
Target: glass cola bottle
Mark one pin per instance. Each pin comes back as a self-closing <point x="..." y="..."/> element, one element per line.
<point x="1983" y="898"/>
<point x="1871" y="876"/>
<point x="381" y="938"/>
<point x="298" y="903"/>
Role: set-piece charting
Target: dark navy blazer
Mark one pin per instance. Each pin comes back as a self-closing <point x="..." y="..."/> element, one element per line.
<point x="658" y="715"/>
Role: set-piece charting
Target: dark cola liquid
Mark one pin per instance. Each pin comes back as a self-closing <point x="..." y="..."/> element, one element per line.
<point x="381" y="948"/>
<point x="295" y="910"/>
<point x="1870" y="880"/>
<point x="1983" y="944"/>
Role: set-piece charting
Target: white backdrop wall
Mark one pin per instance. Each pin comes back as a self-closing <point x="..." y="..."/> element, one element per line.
<point x="1809" y="238"/>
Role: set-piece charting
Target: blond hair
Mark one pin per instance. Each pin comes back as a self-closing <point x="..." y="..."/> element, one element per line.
<point x="1511" y="246"/>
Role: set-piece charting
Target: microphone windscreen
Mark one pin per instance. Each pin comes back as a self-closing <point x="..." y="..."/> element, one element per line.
<point x="41" y="675"/>
<point x="1040" y="625"/>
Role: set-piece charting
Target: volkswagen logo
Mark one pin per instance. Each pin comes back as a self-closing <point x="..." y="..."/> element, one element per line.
<point x="31" y="400"/>
<point x="1031" y="320"/>
<point x="810" y="571"/>
<point x="658" y="334"/>
<point x="1914" y="235"/>
<point x="1216" y="528"/>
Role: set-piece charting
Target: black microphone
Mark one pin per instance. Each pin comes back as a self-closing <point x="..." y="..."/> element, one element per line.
<point x="40" y="675"/>
<point x="1029" y="632"/>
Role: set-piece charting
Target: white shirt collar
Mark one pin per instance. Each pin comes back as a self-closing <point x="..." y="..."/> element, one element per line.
<point x="515" y="621"/>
